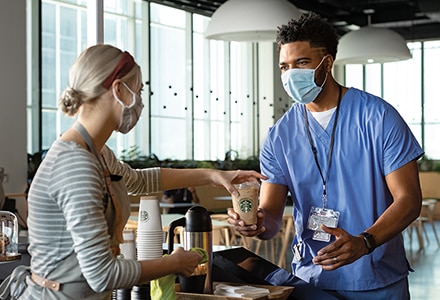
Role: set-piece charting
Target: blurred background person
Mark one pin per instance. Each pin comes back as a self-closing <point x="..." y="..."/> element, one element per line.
<point x="184" y="195"/>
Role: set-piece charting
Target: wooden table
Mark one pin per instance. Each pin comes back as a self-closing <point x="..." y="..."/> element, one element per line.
<point x="275" y="293"/>
<point x="166" y="206"/>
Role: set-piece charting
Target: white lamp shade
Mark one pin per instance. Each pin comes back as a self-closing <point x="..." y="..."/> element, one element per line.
<point x="250" y="20"/>
<point x="371" y="45"/>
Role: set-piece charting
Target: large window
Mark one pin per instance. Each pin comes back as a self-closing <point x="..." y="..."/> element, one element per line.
<point x="200" y="96"/>
<point x="191" y="109"/>
<point x="204" y="80"/>
<point x="431" y="98"/>
<point x="171" y="82"/>
<point x="242" y="98"/>
<point x="123" y="29"/>
<point x="62" y="38"/>
<point x="410" y="87"/>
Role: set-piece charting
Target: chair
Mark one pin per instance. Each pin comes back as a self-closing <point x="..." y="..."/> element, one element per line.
<point x="427" y="216"/>
<point x="417" y="226"/>
<point x="275" y="249"/>
<point x="287" y="231"/>
<point x="223" y="235"/>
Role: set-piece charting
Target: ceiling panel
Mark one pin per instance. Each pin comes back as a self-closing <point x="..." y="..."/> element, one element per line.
<point x="414" y="20"/>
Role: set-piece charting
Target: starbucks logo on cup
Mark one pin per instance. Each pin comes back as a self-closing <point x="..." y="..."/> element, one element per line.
<point x="144" y="217"/>
<point x="245" y="205"/>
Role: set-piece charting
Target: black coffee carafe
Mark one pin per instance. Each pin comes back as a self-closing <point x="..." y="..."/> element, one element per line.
<point x="197" y="234"/>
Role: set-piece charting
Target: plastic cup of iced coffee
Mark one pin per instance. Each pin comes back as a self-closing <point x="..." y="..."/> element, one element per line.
<point x="246" y="204"/>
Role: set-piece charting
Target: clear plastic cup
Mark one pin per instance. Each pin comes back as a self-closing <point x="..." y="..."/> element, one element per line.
<point x="246" y="204"/>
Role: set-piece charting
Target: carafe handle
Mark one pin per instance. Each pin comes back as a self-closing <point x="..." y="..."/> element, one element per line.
<point x="172" y="226"/>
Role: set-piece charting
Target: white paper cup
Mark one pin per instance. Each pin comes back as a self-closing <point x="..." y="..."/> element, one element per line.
<point x="149" y="214"/>
<point x="149" y="252"/>
<point x="128" y="247"/>
<point x="149" y="244"/>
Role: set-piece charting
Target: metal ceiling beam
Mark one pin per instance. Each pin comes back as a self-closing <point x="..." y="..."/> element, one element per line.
<point x="420" y="32"/>
<point x="395" y="12"/>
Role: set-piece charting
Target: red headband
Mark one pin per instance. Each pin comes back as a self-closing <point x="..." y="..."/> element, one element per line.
<point x="125" y="64"/>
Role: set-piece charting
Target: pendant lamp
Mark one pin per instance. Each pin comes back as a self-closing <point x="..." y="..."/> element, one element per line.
<point x="371" y="45"/>
<point x="250" y="20"/>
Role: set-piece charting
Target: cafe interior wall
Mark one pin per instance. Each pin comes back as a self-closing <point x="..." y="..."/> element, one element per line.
<point x="13" y="154"/>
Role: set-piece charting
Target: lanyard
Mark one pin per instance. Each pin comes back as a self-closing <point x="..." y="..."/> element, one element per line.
<point x="329" y="158"/>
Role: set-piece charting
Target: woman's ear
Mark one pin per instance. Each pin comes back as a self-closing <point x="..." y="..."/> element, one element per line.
<point x="116" y="86"/>
<point x="118" y="91"/>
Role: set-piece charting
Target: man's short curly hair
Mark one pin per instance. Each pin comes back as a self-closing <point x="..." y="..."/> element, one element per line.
<point x="309" y="28"/>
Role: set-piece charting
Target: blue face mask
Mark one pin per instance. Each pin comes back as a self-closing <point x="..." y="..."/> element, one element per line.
<point x="300" y="84"/>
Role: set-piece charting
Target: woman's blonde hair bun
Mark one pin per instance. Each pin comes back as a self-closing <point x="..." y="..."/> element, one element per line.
<point x="70" y="101"/>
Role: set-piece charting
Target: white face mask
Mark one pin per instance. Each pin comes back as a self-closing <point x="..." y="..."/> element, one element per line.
<point x="129" y="114"/>
<point x="300" y="84"/>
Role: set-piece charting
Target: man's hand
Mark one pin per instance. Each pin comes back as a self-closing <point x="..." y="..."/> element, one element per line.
<point x="345" y="250"/>
<point x="247" y="230"/>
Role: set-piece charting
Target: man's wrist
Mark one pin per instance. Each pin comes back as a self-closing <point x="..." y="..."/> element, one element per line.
<point x="369" y="241"/>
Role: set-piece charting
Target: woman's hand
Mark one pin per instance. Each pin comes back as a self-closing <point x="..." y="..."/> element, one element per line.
<point x="178" y="178"/>
<point x="227" y="179"/>
<point x="179" y="262"/>
<point x="186" y="261"/>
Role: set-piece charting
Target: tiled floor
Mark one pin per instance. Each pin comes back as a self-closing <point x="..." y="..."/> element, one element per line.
<point x="424" y="282"/>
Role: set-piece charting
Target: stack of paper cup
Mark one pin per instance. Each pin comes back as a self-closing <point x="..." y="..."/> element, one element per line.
<point x="128" y="247"/>
<point x="149" y="232"/>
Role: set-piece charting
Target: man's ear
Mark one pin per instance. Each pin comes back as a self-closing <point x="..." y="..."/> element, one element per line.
<point x="330" y="62"/>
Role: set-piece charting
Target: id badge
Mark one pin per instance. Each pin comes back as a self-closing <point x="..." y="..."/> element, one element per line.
<point x="319" y="216"/>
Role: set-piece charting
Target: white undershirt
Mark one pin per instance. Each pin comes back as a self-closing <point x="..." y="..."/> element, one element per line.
<point x="323" y="117"/>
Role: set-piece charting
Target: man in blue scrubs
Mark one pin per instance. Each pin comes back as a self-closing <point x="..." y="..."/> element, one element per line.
<point x="349" y="162"/>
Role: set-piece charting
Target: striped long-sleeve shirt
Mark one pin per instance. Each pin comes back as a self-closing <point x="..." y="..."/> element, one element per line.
<point x="66" y="214"/>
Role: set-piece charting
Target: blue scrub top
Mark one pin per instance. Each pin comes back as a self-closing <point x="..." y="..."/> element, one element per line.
<point x="371" y="141"/>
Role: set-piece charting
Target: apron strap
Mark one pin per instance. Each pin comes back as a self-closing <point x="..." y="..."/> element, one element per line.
<point x="118" y="212"/>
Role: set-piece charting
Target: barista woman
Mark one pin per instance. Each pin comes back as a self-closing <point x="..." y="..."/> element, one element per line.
<point x="78" y="199"/>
